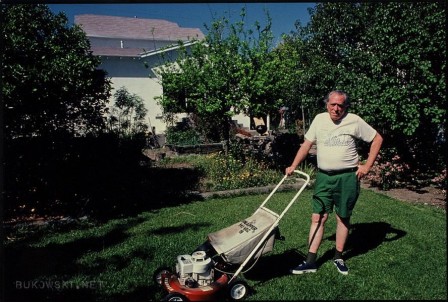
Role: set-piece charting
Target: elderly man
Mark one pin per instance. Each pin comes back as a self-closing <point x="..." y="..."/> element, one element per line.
<point x="337" y="184"/>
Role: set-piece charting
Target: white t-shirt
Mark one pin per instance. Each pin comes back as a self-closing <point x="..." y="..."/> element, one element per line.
<point x="336" y="142"/>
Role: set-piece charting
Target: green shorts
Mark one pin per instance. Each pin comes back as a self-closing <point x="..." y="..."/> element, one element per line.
<point x="340" y="191"/>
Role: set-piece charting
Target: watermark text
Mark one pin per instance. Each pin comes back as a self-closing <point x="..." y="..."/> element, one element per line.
<point x="57" y="285"/>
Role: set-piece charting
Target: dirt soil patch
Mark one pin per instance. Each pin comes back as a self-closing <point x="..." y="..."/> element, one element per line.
<point x="426" y="195"/>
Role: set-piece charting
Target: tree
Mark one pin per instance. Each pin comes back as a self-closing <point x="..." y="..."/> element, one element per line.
<point x="407" y="62"/>
<point x="50" y="78"/>
<point x="128" y="114"/>
<point x="394" y="71"/>
<point x="293" y="71"/>
<point x="227" y="73"/>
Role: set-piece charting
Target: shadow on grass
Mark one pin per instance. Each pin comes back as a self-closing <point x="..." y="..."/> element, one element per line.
<point x="102" y="178"/>
<point x="363" y="238"/>
<point x="275" y="266"/>
<point x="46" y="273"/>
<point x="172" y="230"/>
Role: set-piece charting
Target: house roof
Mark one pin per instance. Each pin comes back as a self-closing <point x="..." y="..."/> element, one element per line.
<point x="112" y="27"/>
<point x="135" y="28"/>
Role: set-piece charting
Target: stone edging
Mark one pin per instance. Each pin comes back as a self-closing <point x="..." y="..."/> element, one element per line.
<point x="252" y="190"/>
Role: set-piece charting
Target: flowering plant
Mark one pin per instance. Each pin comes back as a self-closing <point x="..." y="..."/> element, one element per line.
<point x="389" y="170"/>
<point x="440" y="181"/>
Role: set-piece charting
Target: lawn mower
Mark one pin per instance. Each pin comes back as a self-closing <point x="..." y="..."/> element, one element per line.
<point x="210" y="272"/>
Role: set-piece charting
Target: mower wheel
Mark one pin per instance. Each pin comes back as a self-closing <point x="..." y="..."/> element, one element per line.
<point x="238" y="290"/>
<point x="175" y="297"/>
<point x="157" y="277"/>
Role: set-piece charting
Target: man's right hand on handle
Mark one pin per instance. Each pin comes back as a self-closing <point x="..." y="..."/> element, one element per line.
<point x="289" y="170"/>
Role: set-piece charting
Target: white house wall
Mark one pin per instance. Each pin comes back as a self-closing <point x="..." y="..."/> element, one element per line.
<point x="242" y="120"/>
<point x="132" y="74"/>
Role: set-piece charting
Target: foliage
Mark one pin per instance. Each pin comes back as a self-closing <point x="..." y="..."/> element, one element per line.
<point x="394" y="71"/>
<point x="440" y="181"/>
<point x="74" y="176"/>
<point x="284" y="149"/>
<point x="389" y="170"/>
<point x="50" y="80"/>
<point x="127" y="116"/>
<point x="241" y="167"/>
<point x="308" y="168"/>
<point x="275" y="154"/>
<point x="245" y="150"/>
<point x="187" y="136"/>
<point x="306" y="76"/>
<point x="290" y="76"/>
<point x="224" y="172"/>
<point x="225" y="74"/>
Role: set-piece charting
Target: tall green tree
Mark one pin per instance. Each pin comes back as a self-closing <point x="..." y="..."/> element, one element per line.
<point x="294" y="76"/>
<point x="127" y="116"/>
<point x="391" y="58"/>
<point x="227" y="73"/>
<point x="50" y="79"/>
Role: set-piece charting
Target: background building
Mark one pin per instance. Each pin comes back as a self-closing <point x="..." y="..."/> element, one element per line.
<point x="129" y="49"/>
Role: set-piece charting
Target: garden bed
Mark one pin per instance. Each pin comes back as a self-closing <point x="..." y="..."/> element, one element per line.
<point x="196" y="149"/>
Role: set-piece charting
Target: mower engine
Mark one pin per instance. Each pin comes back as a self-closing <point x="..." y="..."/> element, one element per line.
<point x="195" y="270"/>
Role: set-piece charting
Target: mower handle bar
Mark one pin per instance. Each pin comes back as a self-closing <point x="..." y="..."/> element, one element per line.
<point x="279" y="216"/>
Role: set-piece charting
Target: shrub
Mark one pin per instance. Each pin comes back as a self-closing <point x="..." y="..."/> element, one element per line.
<point x="186" y="136"/>
<point x="439" y="181"/>
<point x="389" y="171"/>
<point x="225" y="172"/>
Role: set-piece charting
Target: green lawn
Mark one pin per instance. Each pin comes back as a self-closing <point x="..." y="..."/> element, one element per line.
<point x="395" y="251"/>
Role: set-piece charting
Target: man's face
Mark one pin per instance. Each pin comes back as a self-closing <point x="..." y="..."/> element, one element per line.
<point x="336" y="107"/>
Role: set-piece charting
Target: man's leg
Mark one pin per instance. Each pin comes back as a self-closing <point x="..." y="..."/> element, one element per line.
<point x="316" y="231"/>
<point x="322" y="204"/>
<point x="342" y="230"/>
<point x="314" y="240"/>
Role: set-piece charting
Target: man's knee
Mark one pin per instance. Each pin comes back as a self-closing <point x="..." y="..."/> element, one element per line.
<point x="319" y="218"/>
<point x="343" y="220"/>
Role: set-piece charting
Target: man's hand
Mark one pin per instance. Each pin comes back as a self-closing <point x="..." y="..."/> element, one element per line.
<point x="289" y="170"/>
<point x="362" y="171"/>
<point x="300" y="156"/>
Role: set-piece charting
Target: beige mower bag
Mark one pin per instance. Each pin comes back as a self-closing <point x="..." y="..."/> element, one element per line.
<point x="237" y="241"/>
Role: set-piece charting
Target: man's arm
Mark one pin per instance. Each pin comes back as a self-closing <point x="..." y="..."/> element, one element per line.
<point x="302" y="153"/>
<point x="375" y="147"/>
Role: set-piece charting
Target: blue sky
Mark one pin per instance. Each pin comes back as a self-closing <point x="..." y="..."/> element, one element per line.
<point x="283" y="15"/>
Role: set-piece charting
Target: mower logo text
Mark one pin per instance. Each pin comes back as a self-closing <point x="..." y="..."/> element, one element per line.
<point x="247" y="227"/>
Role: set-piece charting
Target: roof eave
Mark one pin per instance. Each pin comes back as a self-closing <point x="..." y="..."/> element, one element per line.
<point x="158" y="51"/>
